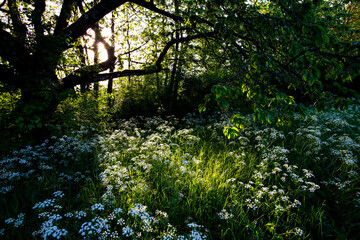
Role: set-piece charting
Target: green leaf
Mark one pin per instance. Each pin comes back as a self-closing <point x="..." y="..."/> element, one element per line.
<point x="271" y="227"/>
<point x="238" y="121"/>
<point x="304" y="30"/>
<point x="318" y="40"/>
<point x="207" y="98"/>
<point x="202" y="108"/>
<point x="230" y="132"/>
<point x="309" y="78"/>
<point x="317" y="72"/>
<point x="326" y="38"/>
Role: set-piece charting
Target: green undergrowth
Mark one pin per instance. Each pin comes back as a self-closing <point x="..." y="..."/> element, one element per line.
<point x="168" y="178"/>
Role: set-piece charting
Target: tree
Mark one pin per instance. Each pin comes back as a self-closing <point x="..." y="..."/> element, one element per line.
<point x="32" y="49"/>
<point x="275" y="51"/>
<point x="281" y="53"/>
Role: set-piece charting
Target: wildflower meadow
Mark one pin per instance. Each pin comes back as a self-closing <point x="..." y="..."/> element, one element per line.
<point x="168" y="178"/>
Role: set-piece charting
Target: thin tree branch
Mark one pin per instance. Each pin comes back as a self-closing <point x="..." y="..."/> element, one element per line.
<point x="126" y="73"/>
<point x="135" y="49"/>
<point x="180" y="40"/>
<point x="92" y="74"/>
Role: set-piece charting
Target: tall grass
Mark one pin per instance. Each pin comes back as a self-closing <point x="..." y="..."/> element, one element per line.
<point x="155" y="178"/>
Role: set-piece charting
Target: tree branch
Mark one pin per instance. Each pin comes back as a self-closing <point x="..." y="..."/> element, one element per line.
<point x="135" y="49"/>
<point x="151" y="6"/>
<point x="65" y="15"/>
<point x="36" y="17"/>
<point x="2" y="4"/>
<point x="88" y="19"/>
<point x="126" y="73"/>
<point x="180" y="40"/>
<point x="87" y="74"/>
<point x="20" y="29"/>
<point x="11" y="49"/>
<point x="92" y="73"/>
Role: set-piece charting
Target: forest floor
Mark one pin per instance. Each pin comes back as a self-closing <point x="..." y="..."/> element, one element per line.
<point x="168" y="178"/>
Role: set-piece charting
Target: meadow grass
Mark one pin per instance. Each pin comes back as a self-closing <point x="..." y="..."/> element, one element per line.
<point x="168" y="178"/>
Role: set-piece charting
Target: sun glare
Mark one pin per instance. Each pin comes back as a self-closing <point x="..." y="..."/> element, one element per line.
<point x="103" y="56"/>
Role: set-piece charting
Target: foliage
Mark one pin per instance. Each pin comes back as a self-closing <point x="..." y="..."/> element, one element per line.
<point x="276" y="174"/>
<point x="276" y="54"/>
<point x="182" y="179"/>
<point x="142" y="96"/>
<point x="193" y="89"/>
<point x="82" y="109"/>
<point x="283" y="54"/>
<point x="8" y="101"/>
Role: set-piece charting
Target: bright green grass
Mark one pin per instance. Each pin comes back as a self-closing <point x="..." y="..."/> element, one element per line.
<point x="153" y="178"/>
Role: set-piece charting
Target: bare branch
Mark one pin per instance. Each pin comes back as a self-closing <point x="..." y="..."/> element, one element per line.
<point x="36" y="17"/>
<point x="92" y="73"/>
<point x="135" y="49"/>
<point x="65" y="15"/>
<point x="2" y="4"/>
<point x="126" y="73"/>
<point x="151" y="6"/>
<point x="180" y="40"/>
<point x="88" y="19"/>
<point x="20" y="29"/>
<point x="5" y="11"/>
<point x="86" y="74"/>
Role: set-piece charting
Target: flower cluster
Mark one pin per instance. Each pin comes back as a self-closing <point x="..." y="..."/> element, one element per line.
<point x="18" y="221"/>
<point x="261" y="179"/>
<point x="94" y="228"/>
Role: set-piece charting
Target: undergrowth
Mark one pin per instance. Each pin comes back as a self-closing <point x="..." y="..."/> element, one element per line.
<point x="168" y="178"/>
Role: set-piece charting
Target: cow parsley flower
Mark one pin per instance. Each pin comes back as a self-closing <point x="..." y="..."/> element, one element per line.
<point x="195" y="235"/>
<point x="48" y="229"/>
<point x="194" y="225"/>
<point x="6" y="189"/>
<point x="44" y="204"/>
<point x="127" y="231"/>
<point x="121" y="222"/>
<point x="95" y="227"/>
<point x="97" y="206"/>
<point x="161" y="214"/>
<point x="298" y="232"/>
<point x="224" y="215"/>
<point x="58" y="194"/>
<point x="80" y="214"/>
<point x="117" y="210"/>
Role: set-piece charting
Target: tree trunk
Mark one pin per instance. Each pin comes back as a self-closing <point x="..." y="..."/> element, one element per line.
<point x="36" y="109"/>
<point x="96" y="56"/>
<point x="83" y="87"/>
<point x="171" y="88"/>
<point x="111" y="70"/>
<point x="129" y="46"/>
